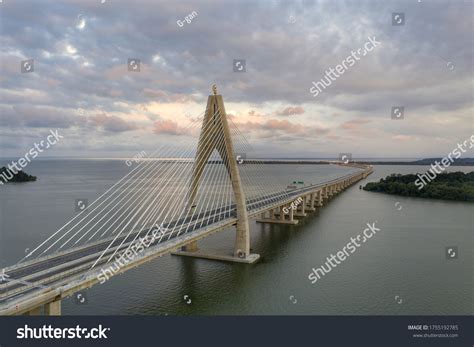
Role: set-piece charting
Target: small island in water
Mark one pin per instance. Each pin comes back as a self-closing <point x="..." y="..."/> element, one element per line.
<point x="8" y="176"/>
<point x="446" y="186"/>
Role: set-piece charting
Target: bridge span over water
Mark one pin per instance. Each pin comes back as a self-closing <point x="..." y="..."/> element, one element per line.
<point x="165" y="206"/>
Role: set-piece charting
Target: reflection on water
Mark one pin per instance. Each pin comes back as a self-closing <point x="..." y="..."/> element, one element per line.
<point x="406" y="260"/>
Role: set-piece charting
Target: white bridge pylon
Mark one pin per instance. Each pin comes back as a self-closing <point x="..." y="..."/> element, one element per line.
<point x="216" y="136"/>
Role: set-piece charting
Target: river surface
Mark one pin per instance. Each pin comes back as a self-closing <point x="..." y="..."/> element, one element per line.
<point x="402" y="270"/>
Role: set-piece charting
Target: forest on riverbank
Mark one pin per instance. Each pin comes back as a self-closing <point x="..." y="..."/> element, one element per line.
<point x="446" y="186"/>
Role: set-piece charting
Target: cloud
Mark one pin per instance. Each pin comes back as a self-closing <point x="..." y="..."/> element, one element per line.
<point x="354" y="124"/>
<point x="290" y="111"/>
<point x="28" y="116"/>
<point x="168" y="127"/>
<point x="403" y="138"/>
<point x="283" y="125"/>
<point x="253" y="113"/>
<point x="112" y="124"/>
<point x="276" y="128"/>
<point x="166" y="97"/>
<point x="80" y="51"/>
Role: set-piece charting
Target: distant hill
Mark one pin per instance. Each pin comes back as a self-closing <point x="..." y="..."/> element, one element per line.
<point x="427" y="161"/>
<point x="457" y="162"/>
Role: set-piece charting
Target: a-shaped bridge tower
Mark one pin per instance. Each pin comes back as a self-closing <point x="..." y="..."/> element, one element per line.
<point x="216" y="136"/>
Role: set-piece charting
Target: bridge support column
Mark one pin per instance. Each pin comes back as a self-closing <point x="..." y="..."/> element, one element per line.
<point x="319" y="202"/>
<point x="300" y="209"/>
<point x="273" y="219"/>
<point x="190" y="247"/>
<point x="291" y="217"/>
<point x="271" y="214"/>
<point x="308" y="203"/>
<point x="34" y="312"/>
<point x="53" y="308"/>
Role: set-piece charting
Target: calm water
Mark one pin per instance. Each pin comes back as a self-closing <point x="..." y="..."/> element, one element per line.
<point x="406" y="259"/>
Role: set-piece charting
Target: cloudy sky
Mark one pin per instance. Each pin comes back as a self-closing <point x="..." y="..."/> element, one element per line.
<point x="81" y="84"/>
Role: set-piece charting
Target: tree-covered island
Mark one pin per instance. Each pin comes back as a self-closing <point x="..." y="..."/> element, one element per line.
<point x="7" y="175"/>
<point x="446" y="186"/>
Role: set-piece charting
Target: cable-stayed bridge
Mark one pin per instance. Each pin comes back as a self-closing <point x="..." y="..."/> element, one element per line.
<point x="167" y="203"/>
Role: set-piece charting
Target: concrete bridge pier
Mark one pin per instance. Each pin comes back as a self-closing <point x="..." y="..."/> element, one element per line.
<point x="319" y="201"/>
<point x="300" y="209"/>
<point x="279" y="217"/>
<point x="52" y="308"/>
<point x="190" y="247"/>
<point x="314" y="200"/>
<point x="34" y="312"/>
<point x="282" y="214"/>
<point x="330" y="191"/>
<point x="308" y="202"/>
<point x="291" y="216"/>
<point x="325" y="193"/>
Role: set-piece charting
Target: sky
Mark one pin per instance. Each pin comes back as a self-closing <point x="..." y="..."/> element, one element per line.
<point x="80" y="84"/>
